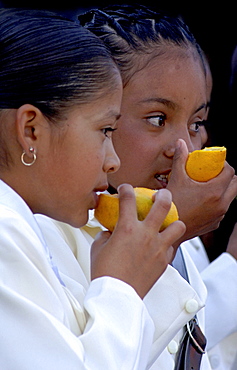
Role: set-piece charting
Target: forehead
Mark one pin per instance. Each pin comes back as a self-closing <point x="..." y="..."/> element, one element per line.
<point x="176" y="74"/>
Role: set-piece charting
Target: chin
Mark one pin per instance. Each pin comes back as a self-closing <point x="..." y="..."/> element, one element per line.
<point x="78" y="221"/>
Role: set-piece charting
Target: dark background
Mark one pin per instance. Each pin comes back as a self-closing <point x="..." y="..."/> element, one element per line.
<point x="214" y="25"/>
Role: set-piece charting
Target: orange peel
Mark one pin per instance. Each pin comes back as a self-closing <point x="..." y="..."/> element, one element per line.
<point x="205" y="164"/>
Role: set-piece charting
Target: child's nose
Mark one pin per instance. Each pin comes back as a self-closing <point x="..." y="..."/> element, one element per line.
<point x="112" y="162"/>
<point x="170" y="148"/>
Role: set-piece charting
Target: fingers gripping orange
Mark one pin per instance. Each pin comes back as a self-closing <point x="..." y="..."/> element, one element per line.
<point x="107" y="212"/>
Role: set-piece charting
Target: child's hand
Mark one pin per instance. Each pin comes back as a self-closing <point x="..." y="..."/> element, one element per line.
<point x="201" y="205"/>
<point x="136" y="252"/>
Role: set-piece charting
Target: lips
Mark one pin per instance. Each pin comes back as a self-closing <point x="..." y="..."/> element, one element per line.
<point x="94" y="204"/>
<point x="100" y="189"/>
<point x="163" y="179"/>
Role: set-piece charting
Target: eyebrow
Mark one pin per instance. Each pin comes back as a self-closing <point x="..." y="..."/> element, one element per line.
<point x="166" y="102"/>
<point x="204" y="105"/>
<point x="170" y="104"/>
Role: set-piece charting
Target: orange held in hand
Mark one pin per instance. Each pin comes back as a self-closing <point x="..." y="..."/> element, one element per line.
<point x="205" y="164"/>
<point x="107" y="212"/>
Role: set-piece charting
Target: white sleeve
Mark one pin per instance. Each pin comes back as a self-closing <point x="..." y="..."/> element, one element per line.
<point x="220" y="278"/>
<point x="118" y="333"/>
<point x="37" y="322"/>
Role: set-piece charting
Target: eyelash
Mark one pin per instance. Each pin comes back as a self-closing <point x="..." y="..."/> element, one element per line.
<point x="108" y="129"/>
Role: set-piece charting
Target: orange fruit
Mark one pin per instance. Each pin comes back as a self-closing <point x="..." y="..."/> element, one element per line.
<point x="107" y="212"/>
<point x="205" y="164"/>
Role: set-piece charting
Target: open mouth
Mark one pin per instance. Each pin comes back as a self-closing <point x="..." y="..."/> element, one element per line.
<point x="162" y="178"/>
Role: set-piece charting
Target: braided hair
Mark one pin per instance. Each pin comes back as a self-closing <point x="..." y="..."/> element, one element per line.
<point x="135" y="34"/>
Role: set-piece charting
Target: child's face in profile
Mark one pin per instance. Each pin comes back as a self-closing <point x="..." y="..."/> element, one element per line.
<point x="163" y="102"/>
<point x="79" y="160"/>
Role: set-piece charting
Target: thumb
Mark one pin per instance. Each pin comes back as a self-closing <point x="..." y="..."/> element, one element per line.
<point x="179" y="159"/>
<point x="97" y="256"/>
<point x="100" y="239"/>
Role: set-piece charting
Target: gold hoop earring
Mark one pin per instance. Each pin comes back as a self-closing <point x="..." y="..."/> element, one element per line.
<point x="28" y="163"/>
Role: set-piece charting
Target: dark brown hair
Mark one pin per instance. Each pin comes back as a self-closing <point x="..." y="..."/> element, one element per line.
<point x="50" y="62"/>
<point x="134" y="34"/>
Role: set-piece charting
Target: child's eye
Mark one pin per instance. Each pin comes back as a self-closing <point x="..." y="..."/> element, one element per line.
<point x="158" y="120"/>
<point x="107" y="131"/>
<point x="196" y="125"/>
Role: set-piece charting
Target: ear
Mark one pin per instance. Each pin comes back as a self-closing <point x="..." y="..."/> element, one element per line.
<point x="29" y="124"/>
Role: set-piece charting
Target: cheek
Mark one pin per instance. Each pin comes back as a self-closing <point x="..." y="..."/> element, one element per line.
<point x="92" y="163"/>
<point x="197" y="141"/>
<point x="204" y="136"/>
<point x="140" y="154"/>
<point x="130" y="138"/>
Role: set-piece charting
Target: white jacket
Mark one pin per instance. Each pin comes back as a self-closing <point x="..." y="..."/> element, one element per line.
<point x="171" y="302"/>
<point x="47" y="325"/>
<point x="220" y="278"/>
